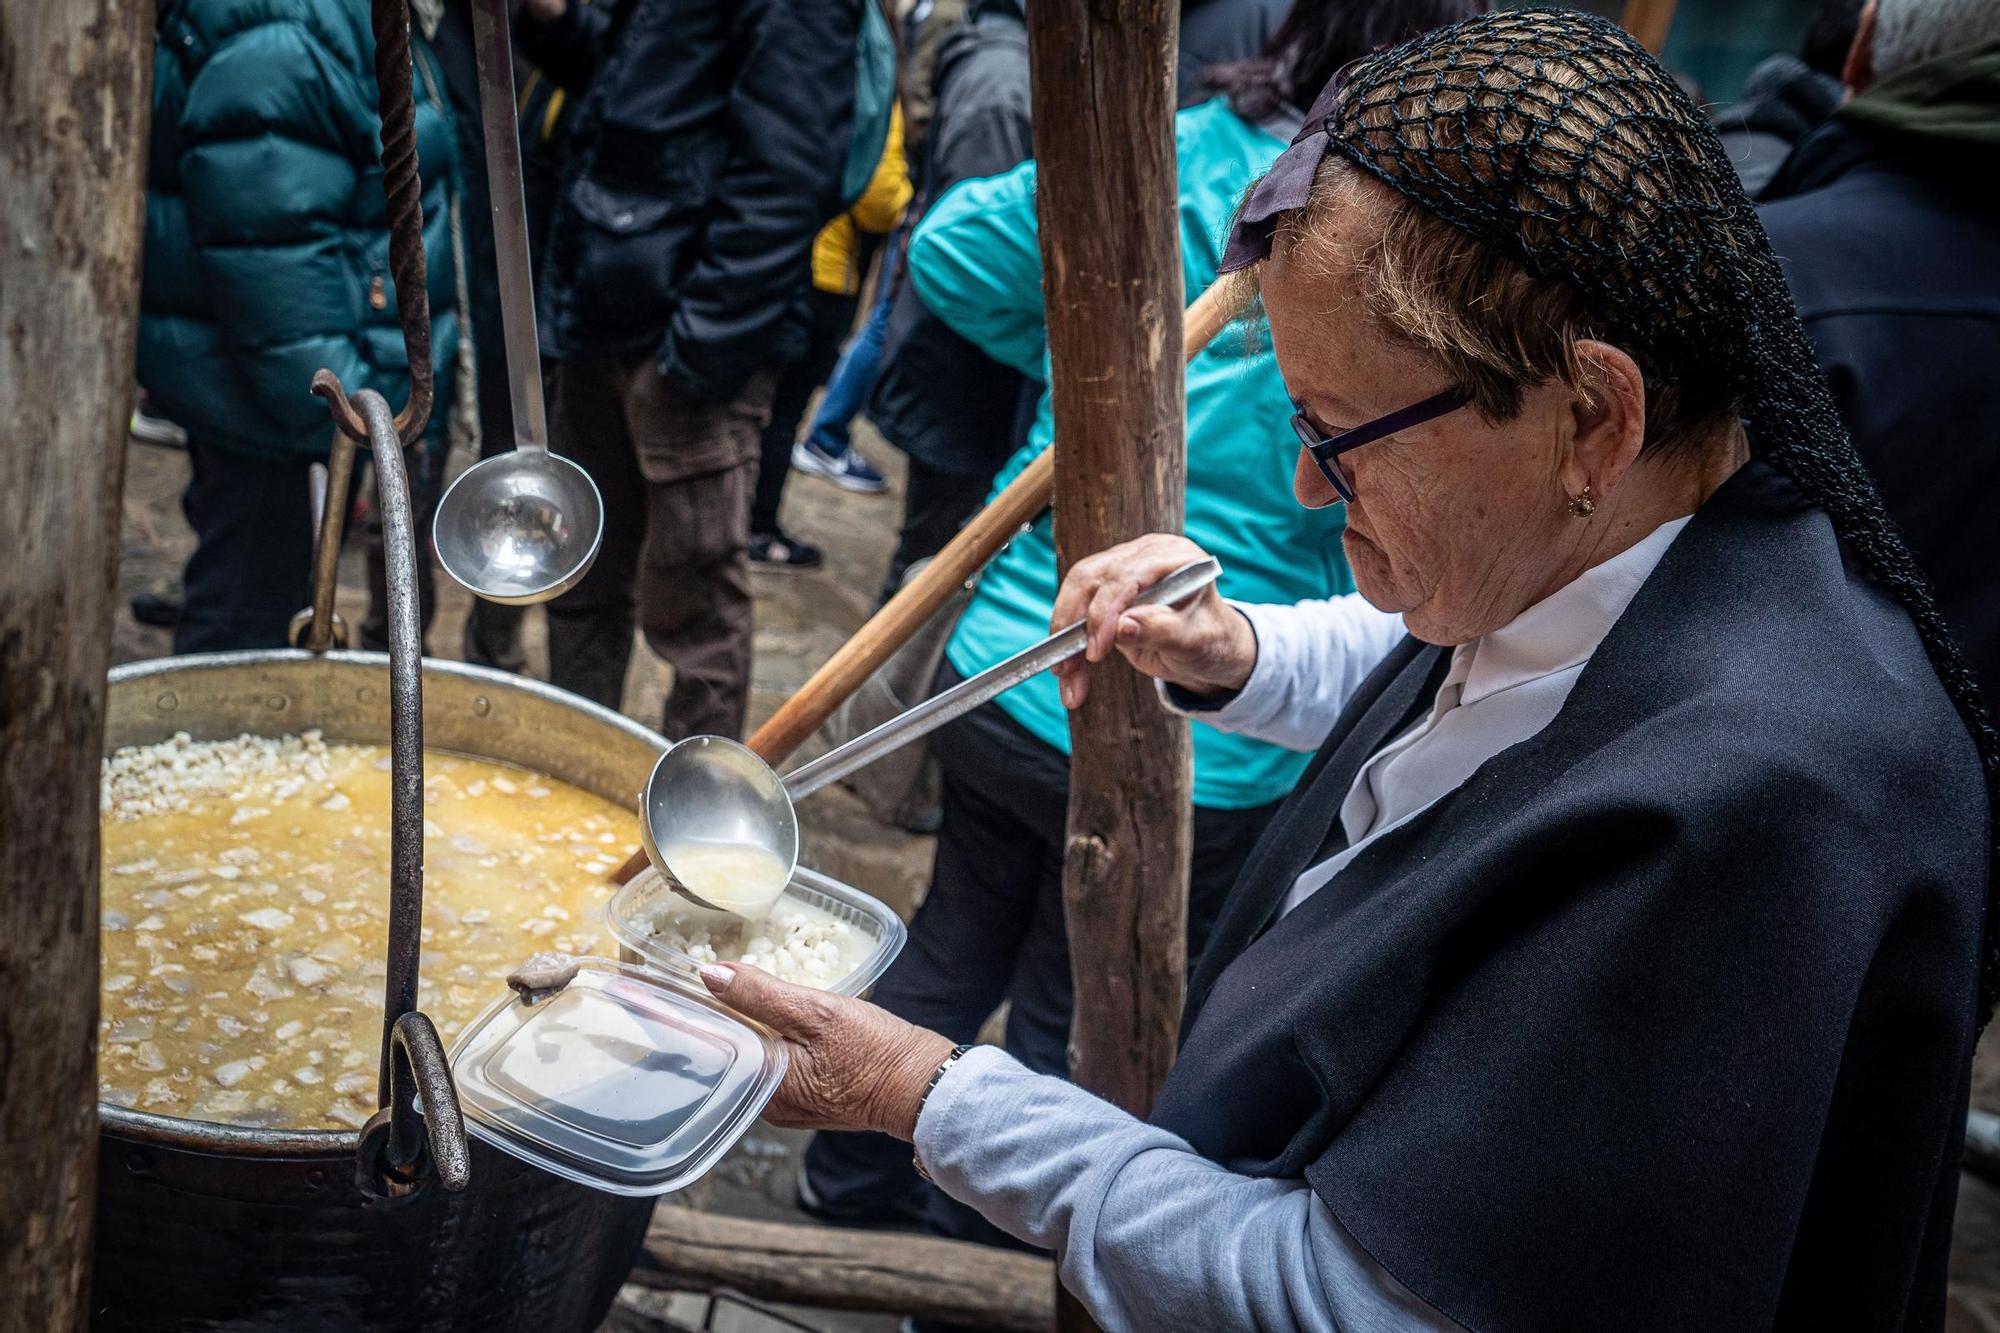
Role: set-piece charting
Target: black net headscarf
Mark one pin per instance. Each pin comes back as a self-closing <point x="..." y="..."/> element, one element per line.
<point x="1556" y="140"/>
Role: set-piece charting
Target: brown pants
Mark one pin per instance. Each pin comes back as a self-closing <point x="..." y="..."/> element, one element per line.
<point x="676" y="476"/>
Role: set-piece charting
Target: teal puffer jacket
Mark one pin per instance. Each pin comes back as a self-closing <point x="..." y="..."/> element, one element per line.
<point x="267" y="247"/>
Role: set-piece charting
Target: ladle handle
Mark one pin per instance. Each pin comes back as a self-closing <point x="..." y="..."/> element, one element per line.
<point x="967" y="695"/>
<point x="964" y="556"/>
<point x="924" y="595"/>
<point x="493" y="56"/>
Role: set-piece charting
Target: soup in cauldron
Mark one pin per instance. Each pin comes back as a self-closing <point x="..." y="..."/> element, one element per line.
<point x="246" y="904"/>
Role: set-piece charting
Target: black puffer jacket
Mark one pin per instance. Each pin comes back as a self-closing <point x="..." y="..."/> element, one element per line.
<point x="714" y="139"/>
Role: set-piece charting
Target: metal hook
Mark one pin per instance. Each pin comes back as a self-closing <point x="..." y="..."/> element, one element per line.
<point x="320" y="627"/>
<point x="396" y="1153"/>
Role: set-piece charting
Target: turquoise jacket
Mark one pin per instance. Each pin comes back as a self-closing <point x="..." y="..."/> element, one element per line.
<point x="267" y="248"/>
<point x="976" y="263"/>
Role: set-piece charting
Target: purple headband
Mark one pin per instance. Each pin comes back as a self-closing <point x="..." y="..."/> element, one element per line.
<point x="1287" y="184"/>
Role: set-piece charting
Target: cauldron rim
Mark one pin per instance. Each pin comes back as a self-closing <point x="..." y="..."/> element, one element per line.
<point x="173" y="1131"/>
<point x="187" y="1133"/>
<point x="440" y="666"/>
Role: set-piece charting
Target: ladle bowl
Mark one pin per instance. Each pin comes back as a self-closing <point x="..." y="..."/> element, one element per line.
<point x="521" y="527"/>
<point x="708" y="792"/>
<point x="722" y="792"/>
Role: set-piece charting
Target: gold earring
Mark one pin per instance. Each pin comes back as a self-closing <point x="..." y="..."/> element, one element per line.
<point x="1582" y="505"/>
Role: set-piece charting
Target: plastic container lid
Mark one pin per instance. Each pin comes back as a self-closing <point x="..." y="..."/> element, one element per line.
<point x="626" y="1080"/>
<point x="646" y="903"/>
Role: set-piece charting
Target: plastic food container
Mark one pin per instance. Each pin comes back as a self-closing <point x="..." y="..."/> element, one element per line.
<point x="626" y="1080"/>
<point x="633" y="1079"/>
<point x="642" y="906"/>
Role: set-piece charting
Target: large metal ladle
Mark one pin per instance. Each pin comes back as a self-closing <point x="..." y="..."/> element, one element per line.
<point x="520" y="527"/>
<point x="708" y="791"/>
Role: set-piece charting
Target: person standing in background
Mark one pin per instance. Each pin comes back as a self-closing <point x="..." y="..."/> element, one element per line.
<point x="956" y="412"/>
<point x="1889" y="230"/>
<point x="1217" y="32"/>
<point x="948" y="406"/>
<point x="711" y="143"/>
<point x="828" y="446"/>
<point x="924" y="26"/>
<point x="266" y="260"/>
<point x="840" y="257"/>
<point x="991" y="927"/>
<point x="1786" y="97"/>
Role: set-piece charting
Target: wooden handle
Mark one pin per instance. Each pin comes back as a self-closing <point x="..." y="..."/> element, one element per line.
<point x="919" y="599"/>
<point x="1650" y="21"/>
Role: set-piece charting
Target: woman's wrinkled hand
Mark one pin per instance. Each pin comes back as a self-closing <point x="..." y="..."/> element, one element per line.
<point x="853" y="1065"/>
<point x="1205" y="646"/>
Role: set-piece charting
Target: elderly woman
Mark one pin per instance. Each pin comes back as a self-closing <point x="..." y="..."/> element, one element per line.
<point x="1617" y="962"/>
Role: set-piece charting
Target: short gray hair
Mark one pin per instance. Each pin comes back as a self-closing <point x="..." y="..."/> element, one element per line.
<point x="1907" y="31"/>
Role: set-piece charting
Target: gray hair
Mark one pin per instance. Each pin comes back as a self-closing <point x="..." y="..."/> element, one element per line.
<point x="1908" y="31"/>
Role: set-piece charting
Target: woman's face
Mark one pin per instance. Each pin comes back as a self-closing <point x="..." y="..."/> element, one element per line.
<point x="1457" y="523"/>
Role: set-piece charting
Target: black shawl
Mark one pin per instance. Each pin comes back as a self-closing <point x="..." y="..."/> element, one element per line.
<point x="1662" y="1020"/>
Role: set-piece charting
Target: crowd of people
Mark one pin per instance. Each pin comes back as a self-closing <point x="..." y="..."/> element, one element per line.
<point x="1591" y="848"/>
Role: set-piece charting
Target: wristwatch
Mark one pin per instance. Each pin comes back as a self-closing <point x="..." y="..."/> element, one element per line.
<point x="916" y="1158"/>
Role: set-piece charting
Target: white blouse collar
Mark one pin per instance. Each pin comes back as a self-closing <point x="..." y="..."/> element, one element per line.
<point x="1561" y="631"/>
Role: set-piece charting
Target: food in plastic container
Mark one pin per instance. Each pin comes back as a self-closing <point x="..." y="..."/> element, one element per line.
<point x="821" y="933"/>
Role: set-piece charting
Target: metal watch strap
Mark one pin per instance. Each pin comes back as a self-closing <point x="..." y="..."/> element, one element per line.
<point x="916" y="1158"/>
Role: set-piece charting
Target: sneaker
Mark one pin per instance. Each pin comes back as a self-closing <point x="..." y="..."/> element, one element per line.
<point x="777" y="551"/>
<point x="148" y="429"/>
<point x="846" y="469"/>
<point x="160" y="610"/>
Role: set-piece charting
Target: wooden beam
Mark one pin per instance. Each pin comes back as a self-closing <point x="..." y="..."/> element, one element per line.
<point x="837" y="1269"/>
<point x="75" y="103"/>
<point x="1103" y="93"/>
<point x="1649" y="21"/>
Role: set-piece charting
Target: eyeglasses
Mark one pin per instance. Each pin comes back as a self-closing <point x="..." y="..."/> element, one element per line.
<point x="1326" y="448"/>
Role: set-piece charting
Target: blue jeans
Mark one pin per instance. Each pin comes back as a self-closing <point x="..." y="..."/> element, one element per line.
<point x="853" y="378"/>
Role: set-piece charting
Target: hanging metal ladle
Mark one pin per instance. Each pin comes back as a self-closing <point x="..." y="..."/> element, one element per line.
<point x="709" y="793"/>
<point x="521" y="527"/>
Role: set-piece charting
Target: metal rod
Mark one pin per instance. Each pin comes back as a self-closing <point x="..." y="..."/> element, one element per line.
<point x="967" y="695"/>
<point x="319" y="633"/>
<point x="493" y="54"/>
<point x="406" y="732"/>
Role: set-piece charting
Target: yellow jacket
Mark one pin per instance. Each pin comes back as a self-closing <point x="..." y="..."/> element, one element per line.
<point x="836" y="253"/>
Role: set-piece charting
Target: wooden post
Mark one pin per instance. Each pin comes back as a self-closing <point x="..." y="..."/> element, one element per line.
<point x="1103" y="75"/>
<point x="75" y="100"/>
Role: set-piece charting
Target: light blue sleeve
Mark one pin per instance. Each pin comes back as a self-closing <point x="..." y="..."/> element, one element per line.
<point x="1148" y="1233"/>
<point x="976" y="260"/>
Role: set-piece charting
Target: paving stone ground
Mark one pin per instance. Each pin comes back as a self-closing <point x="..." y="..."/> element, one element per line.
<point x="801" y="619"/>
